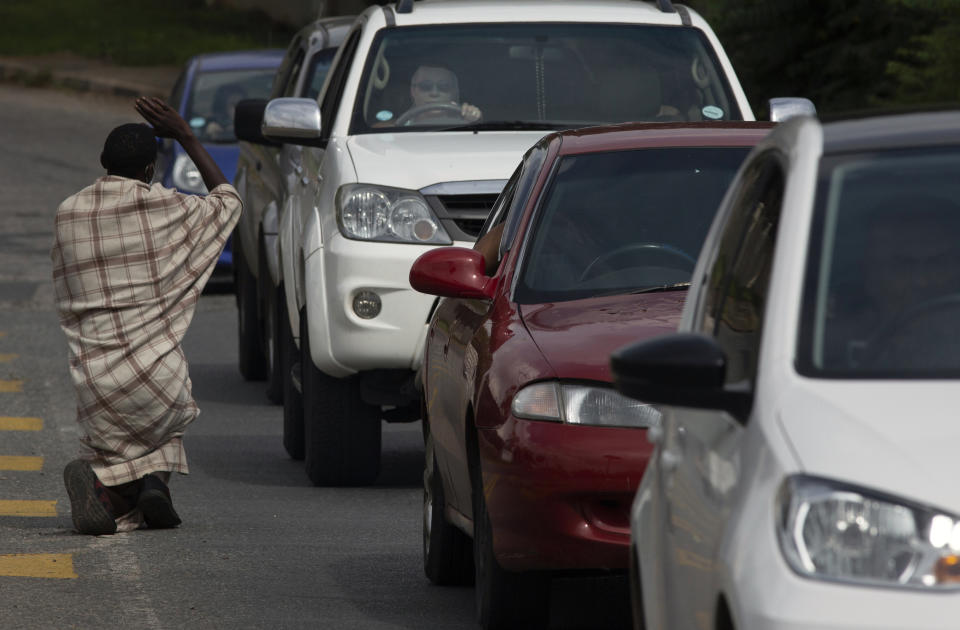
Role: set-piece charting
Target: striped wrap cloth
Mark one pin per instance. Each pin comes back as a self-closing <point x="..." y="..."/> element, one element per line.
<point x="130" y="260"/>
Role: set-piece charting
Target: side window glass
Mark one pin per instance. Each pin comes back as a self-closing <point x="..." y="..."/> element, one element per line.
<point x="331" y="97"/>
<point x="738" y="316"/>
<point x="176" y="95"/>
<point x="283" y="72"/>
<point x="498" y="213"/>
<point x="291" y="86"/>
<point x="531" y="171"/>
<point x="718" y="273"/>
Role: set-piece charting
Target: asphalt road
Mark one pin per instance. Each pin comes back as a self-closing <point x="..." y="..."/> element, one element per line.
<point x="259" y="546"/>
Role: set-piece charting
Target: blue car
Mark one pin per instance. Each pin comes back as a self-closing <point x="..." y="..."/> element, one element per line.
<point x="205" y="94"/>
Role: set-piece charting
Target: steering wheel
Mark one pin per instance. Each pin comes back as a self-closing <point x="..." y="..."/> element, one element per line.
<point x="442" y="108"/>
<point x="880" y="343"/>
<point x="642" y="248"/>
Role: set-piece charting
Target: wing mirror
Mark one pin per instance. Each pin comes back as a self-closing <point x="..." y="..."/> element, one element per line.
<point x="680" y="369"/>
<point x="292" y="120"/>
<point x="452" y="272"/>
<point x="785" y="107"/>
<point x="247" y="118"/>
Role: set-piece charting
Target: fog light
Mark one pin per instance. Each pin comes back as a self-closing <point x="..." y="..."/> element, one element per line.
<point x="366" y="304"/>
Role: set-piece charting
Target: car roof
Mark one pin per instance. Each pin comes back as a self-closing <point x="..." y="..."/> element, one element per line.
<point x="604" y="11"/>
<point x="650" y="135"/>
<point x="327" y="32"/>
<point x="237" y="59"/>
<point x="893" y="131"/>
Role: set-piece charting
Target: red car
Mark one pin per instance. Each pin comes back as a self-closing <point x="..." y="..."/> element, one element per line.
<point x="529" y="449"/>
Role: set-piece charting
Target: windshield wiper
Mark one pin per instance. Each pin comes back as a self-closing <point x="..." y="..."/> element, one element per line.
<point x="665" y="287"/>
<point x="514" y="125"/>
<point x="656" y="289"/>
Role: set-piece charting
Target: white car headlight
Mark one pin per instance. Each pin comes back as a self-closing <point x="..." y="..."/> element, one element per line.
<point x="379" y="213"/>
<point x="838" y="532"/>
<point x="186" y="176"/>
<point x="582" y="404"/>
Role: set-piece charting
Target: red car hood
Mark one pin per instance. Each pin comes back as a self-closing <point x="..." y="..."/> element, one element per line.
<point x="577" y="337"/>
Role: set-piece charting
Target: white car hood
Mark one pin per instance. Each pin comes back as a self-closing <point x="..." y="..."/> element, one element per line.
<point x="897" y="436"/>
<point x="415" y="160"/>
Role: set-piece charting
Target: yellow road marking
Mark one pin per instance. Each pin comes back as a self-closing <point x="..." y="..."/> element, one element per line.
<point x="20" y="424"/>
<point x="11" y="386"/>
<point x="38" y="565"/>
<point x="17" y="462"/>
<point x="28" y="508"/>
<point x="6" y="358"/>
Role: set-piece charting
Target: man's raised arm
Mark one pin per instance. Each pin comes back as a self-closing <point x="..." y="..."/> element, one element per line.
<point x="167" y="123"/>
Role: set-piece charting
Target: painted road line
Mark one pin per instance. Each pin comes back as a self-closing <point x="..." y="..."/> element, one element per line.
<point x="11" y="386"/>
<point x="20" y="462"/>
<point x="28" y="508"/>
<point x="8" y="423"/>
<point x="7" y="358"/>
<point x="38" y="565"/>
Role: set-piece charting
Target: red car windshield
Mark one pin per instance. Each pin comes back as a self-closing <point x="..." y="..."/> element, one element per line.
<point x="624" y="221"/>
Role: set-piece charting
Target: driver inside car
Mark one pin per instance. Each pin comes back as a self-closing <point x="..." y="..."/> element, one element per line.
<point x="435" y="93"/>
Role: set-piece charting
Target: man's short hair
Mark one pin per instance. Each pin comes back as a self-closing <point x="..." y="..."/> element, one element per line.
<point x="129" y="149"/>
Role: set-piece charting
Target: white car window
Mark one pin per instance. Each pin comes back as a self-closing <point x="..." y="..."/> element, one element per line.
<point x="883" y="288"/>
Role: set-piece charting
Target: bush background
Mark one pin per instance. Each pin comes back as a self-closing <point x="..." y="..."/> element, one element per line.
<point x="845" y="55"/>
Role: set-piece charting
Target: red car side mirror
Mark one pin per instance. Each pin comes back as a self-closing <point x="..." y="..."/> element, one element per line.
<point x="452" y="272"/>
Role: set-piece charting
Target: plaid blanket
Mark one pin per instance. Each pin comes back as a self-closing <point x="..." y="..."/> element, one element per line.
<point x="129" y="263"/>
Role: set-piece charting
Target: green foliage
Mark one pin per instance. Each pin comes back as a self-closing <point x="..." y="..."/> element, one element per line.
<point x="132" y="32"/>
<point x="842" y="54"/>
<point x="927" y="69"/>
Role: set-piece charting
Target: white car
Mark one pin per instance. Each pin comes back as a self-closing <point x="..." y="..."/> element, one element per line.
<point x="804" y="470"/>
<point x="265" y="177"/>
<point x="426" y="111"/>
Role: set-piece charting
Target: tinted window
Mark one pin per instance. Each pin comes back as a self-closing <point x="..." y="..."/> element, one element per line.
<point x="317" y="72"/>
<point x="290" y="88"/>
<point x="624" y="221"/>
<point x="743" y="285"/>
<point x="209" y="110"/>
<point x="882" y="296"/>
<point x="331" y="97"/>
<point x="554" y="74"/>
<point x="283" y="73"/>
<point x="528" y="177"/>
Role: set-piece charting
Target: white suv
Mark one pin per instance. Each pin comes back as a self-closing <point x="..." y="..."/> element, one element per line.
<point x="390" y="173"/>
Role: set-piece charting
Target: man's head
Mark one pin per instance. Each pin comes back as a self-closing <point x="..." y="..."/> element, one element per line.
<point x="130" y="151"/>
<point x="434" y="84"/>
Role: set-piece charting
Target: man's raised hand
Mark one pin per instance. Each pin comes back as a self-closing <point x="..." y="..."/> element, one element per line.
<point x="167" y="123"/>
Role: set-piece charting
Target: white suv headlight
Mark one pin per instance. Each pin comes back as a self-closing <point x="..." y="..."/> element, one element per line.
<point x="838" y="532"/>
<point x="186" y="176"/>
<point x="379" y="213"/>
<point x="582" y="404"/>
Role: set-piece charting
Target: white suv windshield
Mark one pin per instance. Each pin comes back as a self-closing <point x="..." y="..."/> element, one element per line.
<point x="883" y="282"/>
<point x="510" y="76"/>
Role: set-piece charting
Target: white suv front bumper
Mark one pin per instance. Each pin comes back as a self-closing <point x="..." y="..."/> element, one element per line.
<point x="343" y="343"/>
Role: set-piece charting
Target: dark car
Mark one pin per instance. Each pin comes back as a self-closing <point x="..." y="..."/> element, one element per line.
<point x="205" y="94"/>
<point x="529" y="449"/>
